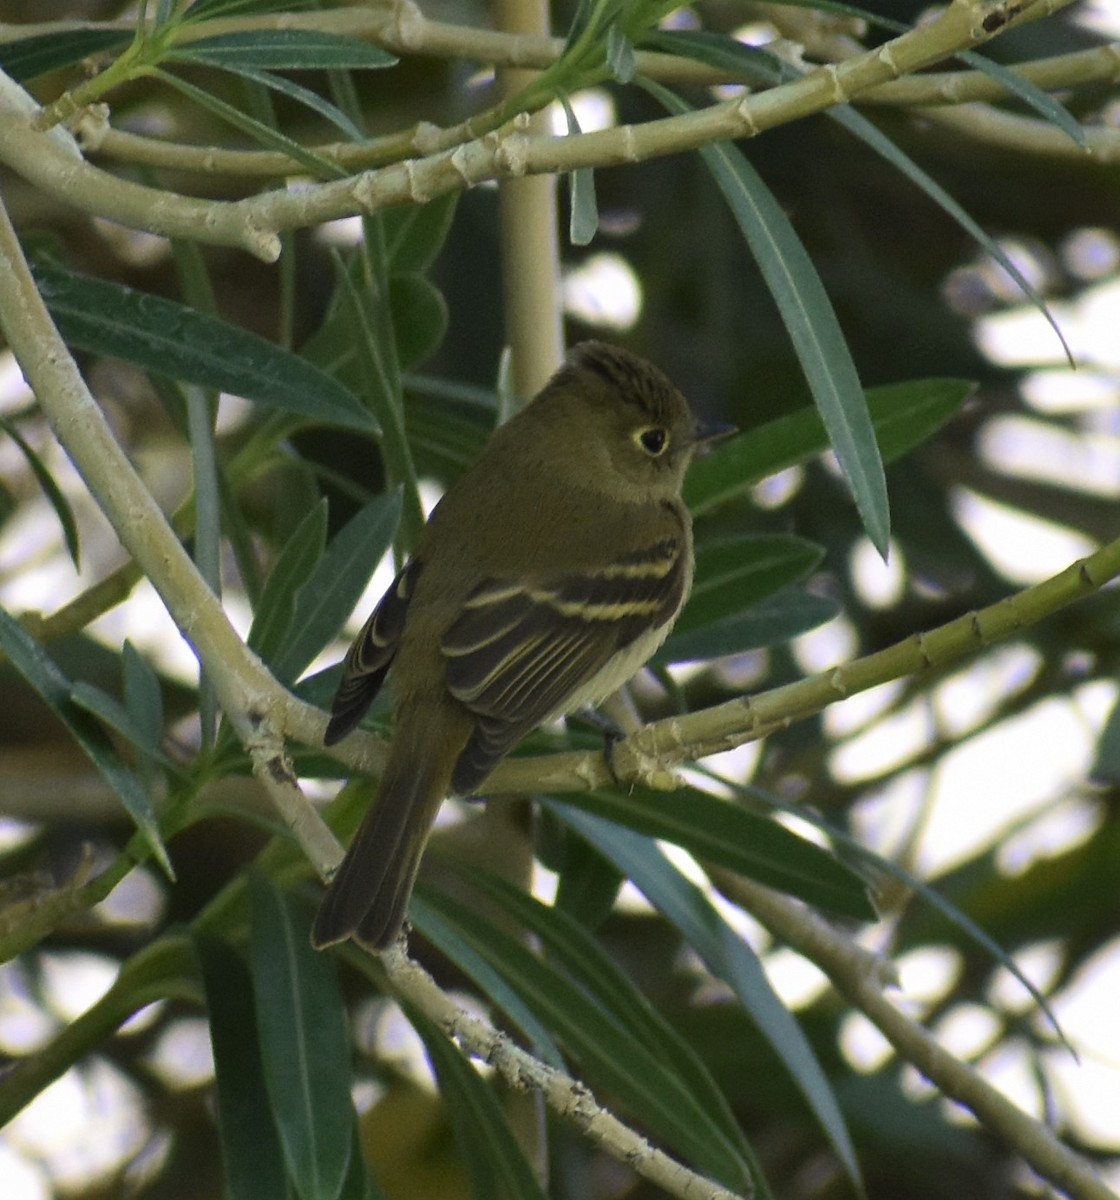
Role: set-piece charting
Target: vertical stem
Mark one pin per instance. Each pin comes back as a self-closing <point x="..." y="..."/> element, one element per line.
<point x="535" y="334"/>
<point x="530" y="246"/>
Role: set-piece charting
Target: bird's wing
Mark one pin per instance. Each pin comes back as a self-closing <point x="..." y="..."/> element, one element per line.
<point x="370" y="656"/>
<point x="520" y="650"/>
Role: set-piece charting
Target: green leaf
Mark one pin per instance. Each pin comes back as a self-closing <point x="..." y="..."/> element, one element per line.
<point x="620" y="55"/>
<point x="419" y="317"/>
<point x="903" y="415"/>
<point x="475" y="967"/>
<point x="110" y="712"/>
<point x="729" y="958"/>
<point x="732" y="573"/>
<point x="327" y="595"/>
<point x="174" y="340"/>
<point x="284" y="50"/>
<point x="569" y="944"/>
<point x="251" y="1153"/>
<point x="272" y="620"/>
<point x="40" y="671"/>
<point x="612" y="1058"/>
<point x="51" y="489"/>
<point x="415" y="233"/>
<point x="583" y="221"/>
<point x="810" y="321"/>
<point x="26" y="58"/>
<point x="757" y="65"/>
<point x="368" y="322"/>
<point x="265" y="135"/>
<point x="304" y="1044"/>
<point x="727" y="834"/>
<point x="304" y="96"/>
<point x="770" y="622"/>
<point x="143" y="699"/>
<point x="494" y="1160"/>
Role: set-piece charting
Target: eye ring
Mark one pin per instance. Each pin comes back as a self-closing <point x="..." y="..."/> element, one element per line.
<point x="652" y="439"/>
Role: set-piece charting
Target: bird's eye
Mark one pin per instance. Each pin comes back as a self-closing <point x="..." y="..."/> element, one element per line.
<point x="653" y="439"/>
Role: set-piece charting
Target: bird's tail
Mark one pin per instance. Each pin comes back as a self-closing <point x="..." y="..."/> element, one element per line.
<point x="368" y="897"/>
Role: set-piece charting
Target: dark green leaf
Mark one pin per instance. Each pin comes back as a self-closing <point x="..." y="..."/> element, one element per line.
<point x="40" y="671"/>
<point x="254" y="1163"/>
<point x="756" y="65"/>
<point x="736" y="572"/>
<point x="327" y="595"/>
<point x="415" y="233"/>
<point x="51" y="489"/>
<point x="476" y="968"/>
<point x="110" y="712"/>
<point x="612" y="1057"/>
<point x="729" y="958"/>
<point x="489" y="1149"/>
<point x="770" y="622"/>
<point x="727" y="834"/>
<point x="301" y="95"/>
<point x="272" y="621"/>
<point x="587" y="963"/>
<point x="903" y="416"/>
<point x="143" y="699"/>
<point x="419" y="317"/>
<point x="284" y="50"/>
<point x="174" y="340"/>
<point x="366" y="317"/>
<point x="263" y="134"/>
<point x="27" y="58"/>
<point x="304" y="1044"/>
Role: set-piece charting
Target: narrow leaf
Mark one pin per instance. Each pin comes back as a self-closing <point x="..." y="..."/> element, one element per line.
<point x="727" y="834"/>
<point x="770" y="622"/>
<point x="40" y="671"/>
<point x="304" y="1045"/>
<point x="583" y="222"/>
<point x="108" y="710"/>
<point x="261" y="133"/>
<point x="328" y="593"/>
<point x="732" y="573"/>
<point x="174" y="340"/>
<point x="272" y="620"/>
<point x="475" y="967"/>
<point x="620" y="55"/>
<point x="51" y="489"/>
<point x="810" y="321"/>
<point x="143" y="699"/>
<point x="26" y="58"/>
<point x="284" y="49"/>
<point x="254" y="1162"/>
<point x="570" y="945"/>
<point x="902" y="414"/>
<point x="494" y="1160"/>
<point x="755" y="64"/>
<point x="729" y="958"/>
<point x="612" y="1057"/>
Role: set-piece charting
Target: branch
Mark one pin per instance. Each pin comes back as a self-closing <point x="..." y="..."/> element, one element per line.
<point x="501" y="154"/>
<point x="846" y="966"/>
<point x="258" y="707"/>
<point x="567" y="1097"/>
<point x="57" y="169"/>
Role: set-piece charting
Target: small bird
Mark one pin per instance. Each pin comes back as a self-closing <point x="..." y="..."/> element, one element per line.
<point x="543" y="580"/>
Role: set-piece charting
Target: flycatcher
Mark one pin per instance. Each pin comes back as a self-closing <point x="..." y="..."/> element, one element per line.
<point x="544" y="578"/>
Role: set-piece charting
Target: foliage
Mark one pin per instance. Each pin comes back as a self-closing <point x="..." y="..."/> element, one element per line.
<point x="777" y="272"/>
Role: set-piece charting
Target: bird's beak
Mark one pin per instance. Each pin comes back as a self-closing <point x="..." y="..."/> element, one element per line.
<point x="709" y="432"/>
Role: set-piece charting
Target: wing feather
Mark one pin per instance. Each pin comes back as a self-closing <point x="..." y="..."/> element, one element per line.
<point x="519" y="650"/>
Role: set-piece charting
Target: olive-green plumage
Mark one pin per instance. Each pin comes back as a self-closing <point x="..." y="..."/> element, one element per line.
<point x="544" y="578"/>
